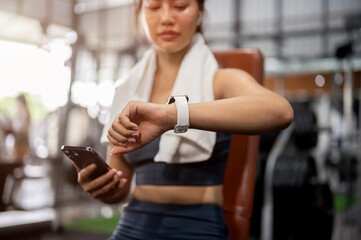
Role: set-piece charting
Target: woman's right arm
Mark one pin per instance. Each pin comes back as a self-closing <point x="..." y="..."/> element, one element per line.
<point x="111" y="187"/>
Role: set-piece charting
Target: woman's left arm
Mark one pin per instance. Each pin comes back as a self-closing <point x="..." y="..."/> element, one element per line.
<point x="242" y="106"/>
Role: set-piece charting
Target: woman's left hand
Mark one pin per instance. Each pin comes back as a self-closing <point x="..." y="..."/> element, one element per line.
<point x="140" y="123"/>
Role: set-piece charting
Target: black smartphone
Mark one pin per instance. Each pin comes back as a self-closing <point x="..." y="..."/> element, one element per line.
<point x="84" y="156"/>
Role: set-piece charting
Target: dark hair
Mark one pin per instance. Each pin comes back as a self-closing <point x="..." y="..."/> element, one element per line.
<point x="138" y="7"/>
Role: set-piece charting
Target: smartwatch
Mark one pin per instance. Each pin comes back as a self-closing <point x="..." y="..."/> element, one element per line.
<point x="181" y="103"/>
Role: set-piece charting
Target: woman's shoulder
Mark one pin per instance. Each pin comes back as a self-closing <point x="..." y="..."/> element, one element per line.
<point x="226" y="73"/>
<point x="228" y="78"/>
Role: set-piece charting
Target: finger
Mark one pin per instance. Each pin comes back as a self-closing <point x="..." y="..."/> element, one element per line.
<point x="122" y="130"/>
<point x="108" y="197"/>
<point x="129" y="148"/>
<point x="112" y="140"/>
<point x="132" y="140"/>
<point x="122" y="182"/>
<point x="106" y="189"/>
<point x="125" y="121"/>
<point x="119" y="174"/>
<point x="118" y="149"/>
<point x="84" y="174"/>
<point x="121" y="141"/>
<point x="100" y="181"/>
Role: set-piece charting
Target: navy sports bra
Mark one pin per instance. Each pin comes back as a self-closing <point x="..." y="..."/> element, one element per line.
<point x="209" y="172"/>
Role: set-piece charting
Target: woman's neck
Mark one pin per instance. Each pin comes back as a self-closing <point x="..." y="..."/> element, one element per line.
<point x="166" y="74"/>
<point x="170" y="61"/>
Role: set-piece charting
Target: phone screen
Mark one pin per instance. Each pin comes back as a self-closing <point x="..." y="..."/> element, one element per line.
<point x="84" y="156"/>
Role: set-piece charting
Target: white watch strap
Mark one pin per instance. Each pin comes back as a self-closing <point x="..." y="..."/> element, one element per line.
<point x="181" y="103"/>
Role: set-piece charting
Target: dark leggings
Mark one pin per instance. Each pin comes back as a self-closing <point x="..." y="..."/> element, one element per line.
<point x="151" y="221"/>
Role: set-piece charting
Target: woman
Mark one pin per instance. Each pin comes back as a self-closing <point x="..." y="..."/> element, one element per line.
<point x="178" y="197"/>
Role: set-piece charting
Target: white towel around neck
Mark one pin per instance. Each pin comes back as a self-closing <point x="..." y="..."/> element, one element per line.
<point x="195" y="79"/>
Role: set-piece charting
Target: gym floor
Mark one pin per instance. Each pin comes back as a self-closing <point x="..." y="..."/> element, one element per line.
<point x="84" y="219"/>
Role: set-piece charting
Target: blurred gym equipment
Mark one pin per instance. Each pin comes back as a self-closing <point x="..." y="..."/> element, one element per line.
<point x="294" y="198"/>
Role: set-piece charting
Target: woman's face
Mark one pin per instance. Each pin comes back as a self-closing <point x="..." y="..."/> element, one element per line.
<point x="170" y="24"/>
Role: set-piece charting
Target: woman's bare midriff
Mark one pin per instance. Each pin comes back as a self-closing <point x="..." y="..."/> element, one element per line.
<point x="179" y="194"/>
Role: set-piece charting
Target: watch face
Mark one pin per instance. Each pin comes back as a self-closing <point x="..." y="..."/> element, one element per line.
<point x="180" y="129"/>
<point x="172" y="98"/>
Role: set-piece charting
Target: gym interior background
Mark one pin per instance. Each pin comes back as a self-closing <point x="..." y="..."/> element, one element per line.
<point x="67" y="55"/>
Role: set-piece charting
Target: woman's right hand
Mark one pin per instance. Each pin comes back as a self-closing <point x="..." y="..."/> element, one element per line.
<point x="108" y="188"/>
<point x="138" y="124"/>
